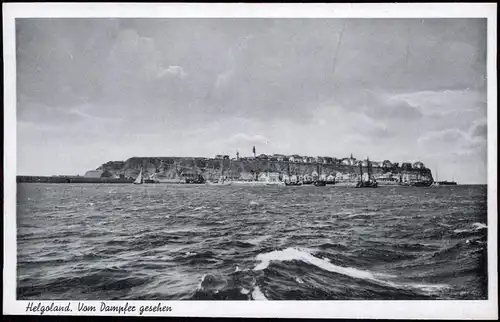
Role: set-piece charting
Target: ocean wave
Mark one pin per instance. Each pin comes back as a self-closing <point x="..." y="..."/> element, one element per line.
<point x="478" y="226"/>
<point x="295" y="254"/>
<point x="291" y="254"/>
<point x="257" y="295"/>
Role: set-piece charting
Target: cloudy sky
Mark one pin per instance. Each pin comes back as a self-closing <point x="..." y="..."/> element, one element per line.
<point x="94" y="90"/>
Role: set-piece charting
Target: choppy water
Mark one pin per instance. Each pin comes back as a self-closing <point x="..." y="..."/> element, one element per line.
<point x="161" y="242"/>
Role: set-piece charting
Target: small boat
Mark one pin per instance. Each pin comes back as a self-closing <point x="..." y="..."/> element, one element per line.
<point x="293" y="183"/>
<point x="447" y="183"/>
<point x="139" y="179"/>
<point x="221" y="182"/>
<point x="369" y="182"/>
<point x="318" y="182"/>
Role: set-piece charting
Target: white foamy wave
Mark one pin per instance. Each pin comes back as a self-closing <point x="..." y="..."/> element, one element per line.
<point x="362" y="215"/>
<point x="257" y="295"/>
<point x="478" y="225"/>
<point x="290" y="254"/>
<point x="258" y="240"/>
<point x="429" y="287"/>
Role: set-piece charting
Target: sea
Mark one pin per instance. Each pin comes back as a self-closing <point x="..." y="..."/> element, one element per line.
<point x="199" y="242"/>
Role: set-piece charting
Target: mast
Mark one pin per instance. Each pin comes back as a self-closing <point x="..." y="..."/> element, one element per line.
<point x="361" y="170"/>
<point x="222" y="169"/>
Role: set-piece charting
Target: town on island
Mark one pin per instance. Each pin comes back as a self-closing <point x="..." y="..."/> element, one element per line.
<point x="258" y="169"/>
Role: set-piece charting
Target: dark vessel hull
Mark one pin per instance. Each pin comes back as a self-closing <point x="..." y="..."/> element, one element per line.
<point x="320" y="183"/>
<point x="447" y="183"/>
<point x="370" y="184"/>
<point x="416" y="184"/>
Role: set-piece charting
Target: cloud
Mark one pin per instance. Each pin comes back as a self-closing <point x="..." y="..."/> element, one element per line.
<point x="176" y="71"/>
<point x="244" y="138"/>
<point x="208" y="86"/>
<point x="479" y="129"/>
<point x="454" y="143"/>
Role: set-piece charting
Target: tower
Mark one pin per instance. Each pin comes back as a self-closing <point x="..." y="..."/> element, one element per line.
<point x="237" y="155"/>
<point x="254" y="151"/>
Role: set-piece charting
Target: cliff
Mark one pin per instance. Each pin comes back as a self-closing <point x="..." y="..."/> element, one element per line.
<point x="174" y="167"/>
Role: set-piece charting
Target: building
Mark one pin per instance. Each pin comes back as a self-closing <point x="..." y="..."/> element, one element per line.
<point x="387" y="164"/>
<point x="406" y="165"/>
<point x="418" y="165"/>
<point x="295" y="158"/>
<point x="247" y="176"/>
<point x="269" y="177"/>
<point x="327" y="160"/>
<point x="262" y="157"/>
<point x="319" y="160"/>
<point x="309" y="160"/>
<point x="349" y="161"/>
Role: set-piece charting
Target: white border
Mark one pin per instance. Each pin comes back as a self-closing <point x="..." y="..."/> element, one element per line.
<point x="312" y="309"/>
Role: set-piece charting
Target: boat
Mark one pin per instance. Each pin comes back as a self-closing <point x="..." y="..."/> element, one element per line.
<point x="318" y="182"/>
<point x="387" y="181"/>
<point x="293" y="183"/>
<point x="447" y="183"/>
<point x="139" y="179"/>
<point x="349" y="180"/>
<point x="292" y="180"/>
<point x="438" y="183"/>
<point x="367" y="181"/>
<point x="257" y="183"/>
<point x="221" y="182"/>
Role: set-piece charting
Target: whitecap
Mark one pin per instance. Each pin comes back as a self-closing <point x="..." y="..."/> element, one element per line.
<point x="290" y="254"/>
<point x="478" y="225"/>
<point x="298" y="280"/>
<point x="258" y="240"/>
<point x="257" y="295"/>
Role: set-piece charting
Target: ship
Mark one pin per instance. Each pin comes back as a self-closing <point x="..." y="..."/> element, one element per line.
<point x="367" y="180"/>
<point x="139" y="179"/>
<point x="319" y="182"/>
<point x="438" y="183"/>
<point x="349" y="180"/>
<point x="387" y="180"/>
<point x="447" y="183"/>
<point x="292" y="180"/>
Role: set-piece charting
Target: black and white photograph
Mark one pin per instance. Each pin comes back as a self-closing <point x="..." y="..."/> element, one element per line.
<point x="253" y="158"/>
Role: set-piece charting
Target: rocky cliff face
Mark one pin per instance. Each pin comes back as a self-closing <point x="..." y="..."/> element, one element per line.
<point x="175" y="167"/>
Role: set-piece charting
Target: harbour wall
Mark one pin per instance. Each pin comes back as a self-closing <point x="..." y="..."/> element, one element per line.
<point x="70" y="179"/>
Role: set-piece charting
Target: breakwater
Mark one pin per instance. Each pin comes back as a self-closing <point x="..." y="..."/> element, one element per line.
<point x="71" y="179"/>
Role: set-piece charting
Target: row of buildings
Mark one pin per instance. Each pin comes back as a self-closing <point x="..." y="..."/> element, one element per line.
<point x="295" y="158"/>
